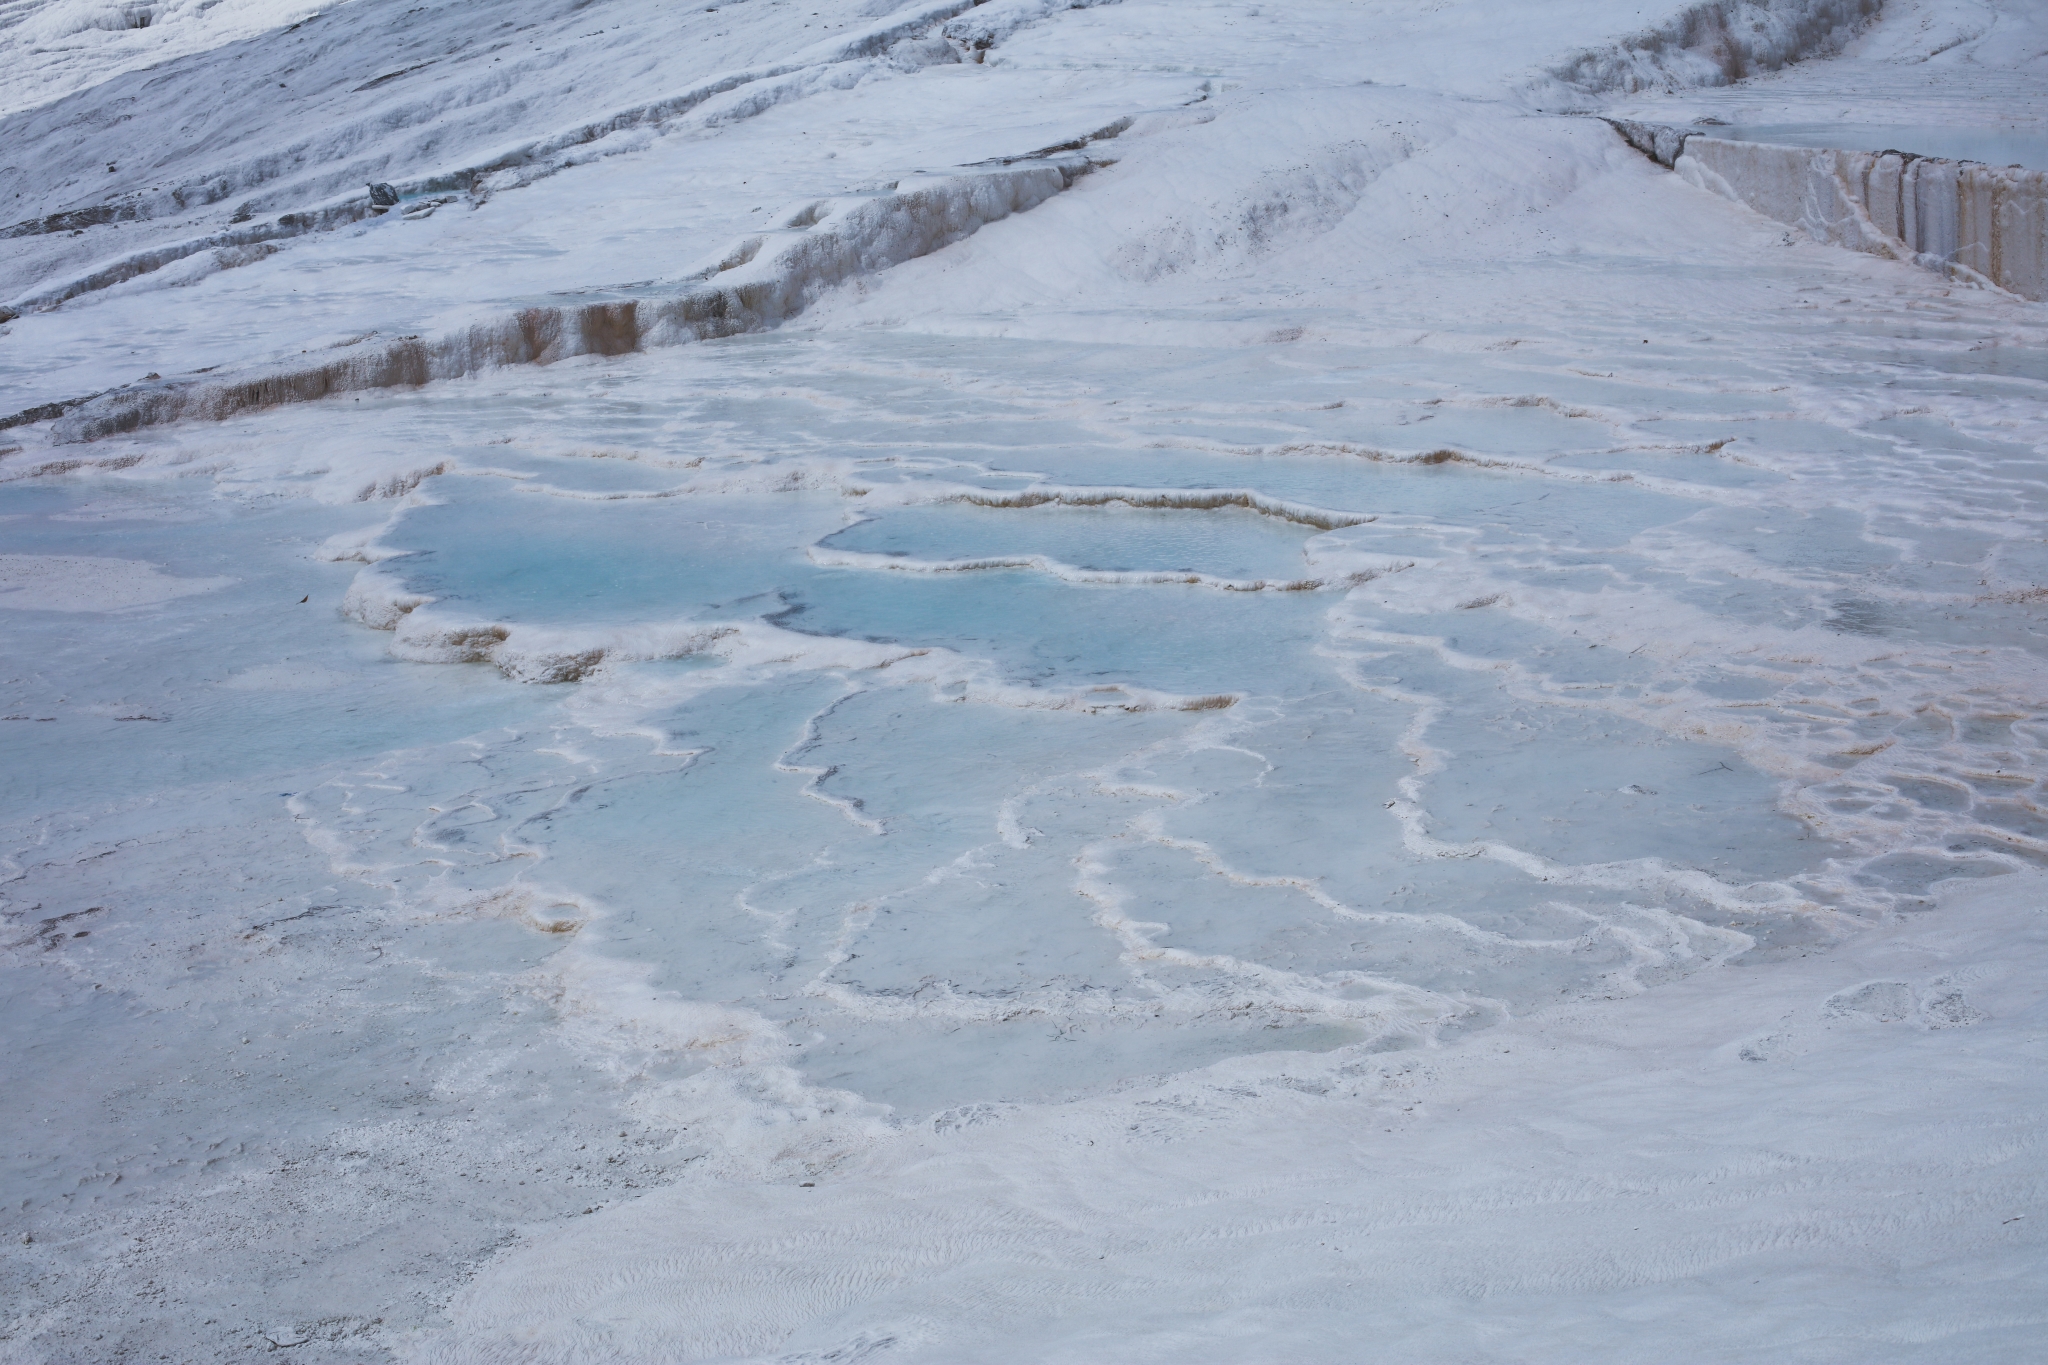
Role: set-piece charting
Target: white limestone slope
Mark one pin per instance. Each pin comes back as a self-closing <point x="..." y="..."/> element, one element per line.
<point x="52" y="50"/>
<point x="697" y="186"/>
<point x="223" y="199"/>
<point x="1822" y="1160"/>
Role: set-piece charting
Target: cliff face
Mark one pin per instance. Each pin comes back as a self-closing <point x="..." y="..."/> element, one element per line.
<point x="1988" y="223"/>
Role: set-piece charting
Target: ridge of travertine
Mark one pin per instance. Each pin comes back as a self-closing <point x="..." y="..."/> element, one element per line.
<point x="761" y="280"/>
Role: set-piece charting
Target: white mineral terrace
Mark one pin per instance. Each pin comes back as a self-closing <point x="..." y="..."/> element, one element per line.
<point x="1058" y="682"/>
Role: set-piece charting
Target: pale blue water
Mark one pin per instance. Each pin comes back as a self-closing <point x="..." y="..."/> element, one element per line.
<point x="941" y="928"/>
<point x="994" y="869"/>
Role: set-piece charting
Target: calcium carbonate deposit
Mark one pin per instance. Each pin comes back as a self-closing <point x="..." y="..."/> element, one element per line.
<point x="1050" y="682"/>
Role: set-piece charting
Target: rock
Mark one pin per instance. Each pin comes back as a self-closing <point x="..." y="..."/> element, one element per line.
<point x="1660" y="143"/>
<point x="382" y="196"/>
